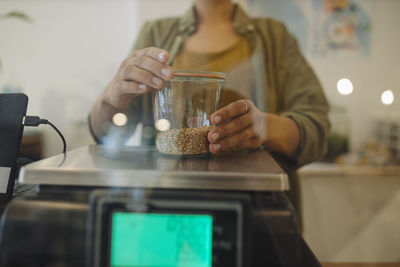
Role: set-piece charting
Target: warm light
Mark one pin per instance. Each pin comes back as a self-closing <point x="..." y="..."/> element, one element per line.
<point x="345" y="87"/>
<point x="163" y="125"/>
<point x="119" y="119"/>
<point x="387" y="97"/>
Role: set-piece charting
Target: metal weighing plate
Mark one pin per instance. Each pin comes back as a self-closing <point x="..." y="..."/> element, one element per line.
<point x="145" y="167"/>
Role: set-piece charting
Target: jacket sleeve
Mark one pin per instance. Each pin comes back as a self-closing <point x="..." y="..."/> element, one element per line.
<point x="145" y="37"/>
<point x="304" y="101"/>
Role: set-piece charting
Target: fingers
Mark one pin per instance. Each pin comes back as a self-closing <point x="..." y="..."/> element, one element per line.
<point x="237" y="124"/>
<point x="153" y="52"/>
<point x="231" y="111"/>
<point x="144" y="70"/>
<point x="244" y="139"/>
<point x="129" y="87"/>
<point x="147" y="66"/>
<point x="145" y="77"/>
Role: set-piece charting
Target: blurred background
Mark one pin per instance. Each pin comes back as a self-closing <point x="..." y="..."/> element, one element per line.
<point x="63" y="53"/>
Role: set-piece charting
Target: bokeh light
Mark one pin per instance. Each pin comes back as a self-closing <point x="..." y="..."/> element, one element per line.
<point x="163" y="125"/>
<point x="119" y="119"/>
<point x="345" y="87"/>
<point x="387" y="97"/>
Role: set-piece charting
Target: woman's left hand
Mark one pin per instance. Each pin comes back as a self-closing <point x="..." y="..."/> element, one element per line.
<point x="238" y="125"/>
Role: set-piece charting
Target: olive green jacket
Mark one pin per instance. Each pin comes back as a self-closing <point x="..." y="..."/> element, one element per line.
<point x="284" y="82"/>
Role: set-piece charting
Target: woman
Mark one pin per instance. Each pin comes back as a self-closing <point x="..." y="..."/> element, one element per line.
<point x="281" y="108"/>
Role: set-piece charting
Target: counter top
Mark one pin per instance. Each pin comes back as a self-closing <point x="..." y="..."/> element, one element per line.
<point x="330" y="169"/>
<point x="145" y="167"/>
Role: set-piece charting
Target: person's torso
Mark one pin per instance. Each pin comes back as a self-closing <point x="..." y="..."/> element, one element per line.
<point x="234" y="61"/>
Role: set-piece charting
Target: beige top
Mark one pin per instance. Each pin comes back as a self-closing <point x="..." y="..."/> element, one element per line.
<point x="235" y="61"/>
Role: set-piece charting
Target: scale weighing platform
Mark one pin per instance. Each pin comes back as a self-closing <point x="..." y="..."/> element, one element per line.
<point x="93" y="207"/>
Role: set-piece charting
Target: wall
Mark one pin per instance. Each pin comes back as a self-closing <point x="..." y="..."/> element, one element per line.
<point x="64" y="59"/>
<point x="370" y="76"/>
<point x="73" y="48"/>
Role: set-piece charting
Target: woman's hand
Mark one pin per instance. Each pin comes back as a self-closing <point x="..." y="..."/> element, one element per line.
<point x="144" y="70"/>
<point x="239" y="125"/>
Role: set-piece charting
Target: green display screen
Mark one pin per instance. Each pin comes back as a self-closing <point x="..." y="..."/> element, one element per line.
<point x="155" y="239"/>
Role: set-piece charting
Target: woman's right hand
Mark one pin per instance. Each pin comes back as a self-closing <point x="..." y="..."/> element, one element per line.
<point x="143" y="71"/>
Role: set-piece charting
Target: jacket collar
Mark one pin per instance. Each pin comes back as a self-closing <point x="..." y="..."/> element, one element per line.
<point x="241" y="22"/>
<point x="188" y="22"/>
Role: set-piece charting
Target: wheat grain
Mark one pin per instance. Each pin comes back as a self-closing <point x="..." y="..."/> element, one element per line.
<point x="186" y="141"/>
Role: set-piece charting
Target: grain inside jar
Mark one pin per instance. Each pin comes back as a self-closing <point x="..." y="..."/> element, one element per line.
<point x="186" y="141"/>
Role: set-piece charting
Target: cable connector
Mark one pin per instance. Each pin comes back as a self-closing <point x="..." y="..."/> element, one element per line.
<point x="33" y="121"/>
<point x="23" y="161"/>
<point x="36" y="121"/>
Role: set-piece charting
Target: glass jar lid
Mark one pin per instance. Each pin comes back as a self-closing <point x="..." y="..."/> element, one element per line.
<point x="182" y="74"/>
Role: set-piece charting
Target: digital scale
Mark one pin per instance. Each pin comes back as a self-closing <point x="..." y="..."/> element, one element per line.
<point x="140" y="208"/>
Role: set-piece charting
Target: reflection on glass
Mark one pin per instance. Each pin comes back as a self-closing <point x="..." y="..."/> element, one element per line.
<point x="119" y="119"/>
<point x="163" y="125"/>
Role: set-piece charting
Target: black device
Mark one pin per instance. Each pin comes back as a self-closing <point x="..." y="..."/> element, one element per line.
<point x="12" y="111"/>
<point x="78" y="228"/>
<point x="161" y="229"/>
<point x="145" y="209"/>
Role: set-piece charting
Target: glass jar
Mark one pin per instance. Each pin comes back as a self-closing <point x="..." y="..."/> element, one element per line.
<point x="182" y="111"/>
